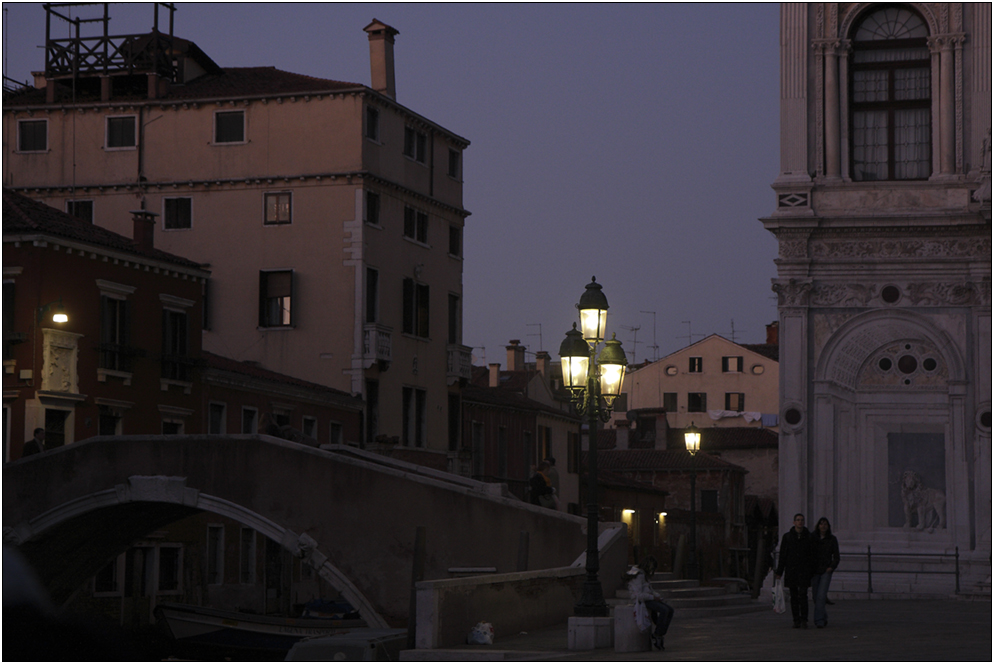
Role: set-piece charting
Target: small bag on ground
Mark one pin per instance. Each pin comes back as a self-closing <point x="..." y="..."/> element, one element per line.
<point x="482" y="634"/>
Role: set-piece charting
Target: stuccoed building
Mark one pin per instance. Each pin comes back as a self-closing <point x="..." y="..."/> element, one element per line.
<point x="331" y="216"/>
<point x="883" y="276"/>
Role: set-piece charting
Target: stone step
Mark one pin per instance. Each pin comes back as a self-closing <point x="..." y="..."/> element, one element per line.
<point x="669" y="584"/>
<point x="701" y="591"/>
<point x="709" y="601"/>
<point x="754" y="606"/>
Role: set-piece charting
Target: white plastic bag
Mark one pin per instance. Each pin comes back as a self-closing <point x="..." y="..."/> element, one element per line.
<point x="778" y="603"/>
<point x="643" y="620"/>
<point x="482" y="634"/>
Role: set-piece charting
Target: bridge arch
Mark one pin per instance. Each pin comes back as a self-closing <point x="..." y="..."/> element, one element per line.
<point x="350" y="515"/>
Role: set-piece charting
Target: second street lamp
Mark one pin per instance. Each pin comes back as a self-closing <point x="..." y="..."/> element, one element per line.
<point x="589" y="378"/>
<point x="692" y="439"/>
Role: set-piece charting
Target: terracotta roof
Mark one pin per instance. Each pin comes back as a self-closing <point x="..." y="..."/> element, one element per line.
<point x="617" y="480"/>
<point x="24" y="216"/>
<point x="495" y="396"/>
<point x="246" y="369"/>
<point x="771" y="351"/>
<point x="726" y="438"/>
<point x="618" y="460"/>
<point x="509" y="380"/>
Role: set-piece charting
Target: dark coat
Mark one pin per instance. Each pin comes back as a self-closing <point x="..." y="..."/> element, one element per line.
<point x="32" y="447"/>
<point x="797" y="558"/>
<point x="826" y="553"/>
<point x="538" y="487"/>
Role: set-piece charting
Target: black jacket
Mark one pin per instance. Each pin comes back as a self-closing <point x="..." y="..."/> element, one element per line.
<point x="538" y="487"/>
<point x="826" y="553"/>
<point x="797" y="558"/>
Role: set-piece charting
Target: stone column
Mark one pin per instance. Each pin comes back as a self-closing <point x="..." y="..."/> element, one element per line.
<point x="947" y="108"/>
<point x="832" y="169"/>
<point x="793" y="92"/>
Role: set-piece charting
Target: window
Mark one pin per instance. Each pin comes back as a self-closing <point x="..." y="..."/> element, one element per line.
<point x="415" y="144"/>
<point x="250" y="420"/>
<point x="544" y="444"/>
<point x="108" y="422"/>
<point x="115" y="327"/>
<point x="372" y="409"/>
<point x="120" y="132"/>
<point x="372" y="295"/>
<point x="735" y="401"/>
<point x="572" y="452"/>
<point x="669" y="402"/>
<point x="415" y="308"/>
<point x="215" y="555"/>
<point x="415" y="414"/>
<point x="32" y="135"/>
<point x="731" y="364"/>
<point x="106" y="580"/>
<point x="696" y="365"/>
<point x="275" y="295"/>
<point x="335" y="433"/>
<point x="278" y="208"/>
<point x="309" y="427"/>
<point x="55" y="427"/>
<point x="372" y="123"/>
<point x="502" y="453"/>
<point x="479" y="450"/>
<point x="455" y="241"/>
<point x="455" y="422"/>
<point x="171" y="428"/>
<point x="890" y="88"/>
<point x="170" y="561"/>
<point x="416" y="225"/>
<point x="9" y="289"/>
<point x="216" y="418"/>
<point x="246" y="556"/>
<point x="453" y="163"/>
<point x="709" y="500"/>
<point x="174" y="361"/>
<point x="453" y="318"/>
<point x="229" y="127"/>
<point x="177" y="213"/>
<point x="697" y="402"/>
<point x="81" y="210"/>
<point x="372" y="208"/>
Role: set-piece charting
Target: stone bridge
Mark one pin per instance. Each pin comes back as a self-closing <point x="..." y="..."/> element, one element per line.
<point x="350" y="514"/>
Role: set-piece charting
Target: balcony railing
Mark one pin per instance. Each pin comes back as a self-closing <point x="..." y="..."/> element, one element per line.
<point x="460" y="363"/>
<point x="377" y="344"/>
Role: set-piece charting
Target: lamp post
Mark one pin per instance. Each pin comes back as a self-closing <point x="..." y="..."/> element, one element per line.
<point x="692" y="439"/>
<point x="590" y="378"/>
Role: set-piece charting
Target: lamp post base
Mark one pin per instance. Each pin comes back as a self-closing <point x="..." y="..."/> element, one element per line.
<point x="591" y="604"/>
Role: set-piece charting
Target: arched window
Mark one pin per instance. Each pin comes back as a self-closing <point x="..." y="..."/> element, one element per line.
<point x="890" y="89"/>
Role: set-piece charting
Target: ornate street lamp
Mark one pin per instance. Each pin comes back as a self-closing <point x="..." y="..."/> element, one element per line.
<point x="590" y="378"/>
<point x="692" y="439"/>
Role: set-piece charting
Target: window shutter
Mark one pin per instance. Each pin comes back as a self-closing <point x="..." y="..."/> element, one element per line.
<point x="422" y="299"/>
<point x="408" y="306"/>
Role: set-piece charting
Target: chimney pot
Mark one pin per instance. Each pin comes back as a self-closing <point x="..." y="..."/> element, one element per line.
<point x="381" y="38"/>
<point x="515" y="356"/>
<point x="773" y="333"/>
<point x="144" y="232"/>
<point x="495" y="375"/>
<point x="542" y="360"/>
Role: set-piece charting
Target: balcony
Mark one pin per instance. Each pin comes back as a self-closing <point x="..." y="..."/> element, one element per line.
<point x="377" y="345"/>
<point x="460" y="363"/>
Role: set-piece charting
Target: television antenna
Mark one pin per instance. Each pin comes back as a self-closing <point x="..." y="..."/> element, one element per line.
<point x="690" y="334"/>
<point x="539" y="335"/>
<point x="634" y="329"/>
<point x="654" y="347"/>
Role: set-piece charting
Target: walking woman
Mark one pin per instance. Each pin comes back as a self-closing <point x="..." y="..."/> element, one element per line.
<point x="826" y="553"/>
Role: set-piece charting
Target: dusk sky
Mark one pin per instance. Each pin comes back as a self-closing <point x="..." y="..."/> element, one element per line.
<point x="634" y="142"/>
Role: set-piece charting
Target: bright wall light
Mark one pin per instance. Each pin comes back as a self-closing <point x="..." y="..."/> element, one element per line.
<point x="629" y="512"/>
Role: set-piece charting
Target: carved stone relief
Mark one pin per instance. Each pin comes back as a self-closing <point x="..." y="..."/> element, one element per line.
<point x="971" y="247"/>
<point x="843" y="295"/>
<point x="792" y="293"/>
<point x="824" y="326"/>
<point x="59" y="361"/>
<point x="912" y="364"/>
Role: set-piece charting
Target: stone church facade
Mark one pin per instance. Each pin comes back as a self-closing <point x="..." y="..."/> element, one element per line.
<point x="883" y="219"/>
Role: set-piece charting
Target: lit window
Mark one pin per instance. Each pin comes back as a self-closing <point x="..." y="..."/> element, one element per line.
<point x="275" y="295"/>
<point x="278" y="208"/>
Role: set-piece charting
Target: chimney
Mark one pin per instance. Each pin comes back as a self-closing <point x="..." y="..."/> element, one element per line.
<point x="144" y="228"/>
<point x="662" y="431"/>
<point x="515" y="356"/>
<point x="495" y="375"/>
<point x="381" y="58"/>
<point x="773" y="333"/>
<point x="542" y="361"/>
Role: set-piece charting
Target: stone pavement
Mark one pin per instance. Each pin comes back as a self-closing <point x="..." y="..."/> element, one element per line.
<point x="858" y="630"/>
